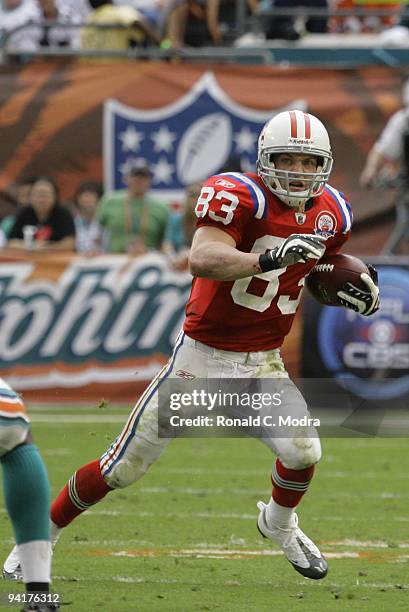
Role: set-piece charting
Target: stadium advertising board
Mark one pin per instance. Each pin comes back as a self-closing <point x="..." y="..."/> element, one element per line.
<point x="366" y="356"/>
<point x="87" y="327"/>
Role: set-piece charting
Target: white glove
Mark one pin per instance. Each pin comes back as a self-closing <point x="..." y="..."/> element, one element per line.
<point x="364" y="302"/>
<point x="297" y="248"/>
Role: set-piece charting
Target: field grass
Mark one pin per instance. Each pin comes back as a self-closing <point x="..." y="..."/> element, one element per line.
<point x="184" y="537"/>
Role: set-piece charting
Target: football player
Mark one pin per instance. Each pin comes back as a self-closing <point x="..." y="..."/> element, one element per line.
<point x="258" y="236"/>
<point x="27" y="497"/>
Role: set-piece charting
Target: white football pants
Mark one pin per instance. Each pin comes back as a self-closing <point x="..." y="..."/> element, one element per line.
<point x="138" y="445"/>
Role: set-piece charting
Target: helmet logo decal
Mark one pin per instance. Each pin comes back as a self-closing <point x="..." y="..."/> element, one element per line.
<point x="307" y="125"/>
<point x="293" y="119"/>
<point x="294" y="128"/>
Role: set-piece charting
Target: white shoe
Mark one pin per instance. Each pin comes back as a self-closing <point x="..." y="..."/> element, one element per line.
<point x="301" y="552"/>
<point x="12" y="567"/>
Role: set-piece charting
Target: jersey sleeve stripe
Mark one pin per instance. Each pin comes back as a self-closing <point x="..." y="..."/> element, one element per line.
<point x="258" y="197"/>
<point x="344" y="207"/>
<point x="13" y="399"/>
<point x="6" y="392"/>
<point x="8" y="417"/>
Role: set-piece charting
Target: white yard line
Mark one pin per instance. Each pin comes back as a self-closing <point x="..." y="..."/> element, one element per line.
<point x="312" y="584"/>
<point x="367" y="544"/>
<point x="210" y="553"/>
<point x="77" y="419"/>
<point x="262" y="492"/>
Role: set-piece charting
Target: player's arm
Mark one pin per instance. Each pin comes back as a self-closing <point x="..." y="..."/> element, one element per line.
<point x="214" y="255"/>
<point x="384" y="157"/>
<point x="378" y="164"/>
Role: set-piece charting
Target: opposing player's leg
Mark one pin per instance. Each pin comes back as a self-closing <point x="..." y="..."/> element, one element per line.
<point x="26" y="492"/>
<point x="131" y="454"/>
<point x="124" y="462"/>
<point x="298" y="449"/>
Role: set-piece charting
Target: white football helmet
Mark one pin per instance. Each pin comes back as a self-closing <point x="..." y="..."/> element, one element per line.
<point x="294" y="132"/>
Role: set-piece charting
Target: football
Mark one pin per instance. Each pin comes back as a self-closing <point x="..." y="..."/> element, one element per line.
<point x="204" y="148"/>
<point x="330" y="275"/>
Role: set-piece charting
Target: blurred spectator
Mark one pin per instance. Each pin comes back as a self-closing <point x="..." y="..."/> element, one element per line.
<point x="44" y="223"/>
<point x="137" y="30"/>
<point x="16" y="13"/>
<point x="23" y="190"/>
<point x="180" y="230"/>
<point x="202" y="22"/>
<point x="397" y="36"/>
<point x="91" y="237"/>
<point x="8" y="205"/>
<point x="135" y="221"/>
<point x="285" y="27"/>
<point x="367" y="23"/>
<point x="389" y="156"/>
<point x="65" y="12"/>
<point x="182" y="224"/>
<point x="22" y="195"/>
<point x="155" y="11"/>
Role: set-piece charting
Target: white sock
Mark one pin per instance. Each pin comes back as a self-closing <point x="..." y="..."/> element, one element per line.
<point x="12" y="561"/>
<point x="279" y="516"/>
<point x="35" y="559"/>
<point x="55" y="533"/>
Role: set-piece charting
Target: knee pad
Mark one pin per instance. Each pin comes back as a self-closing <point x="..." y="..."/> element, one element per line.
<point x="124" y="473"/>
<point x="300" y="453"/>
<point x="137" y="459"/>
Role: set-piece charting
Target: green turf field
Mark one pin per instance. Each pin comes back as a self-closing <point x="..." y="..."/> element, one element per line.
<point x="184" y="537"/>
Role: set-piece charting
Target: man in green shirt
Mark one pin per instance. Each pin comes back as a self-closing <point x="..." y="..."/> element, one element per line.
<point x="136" y="222"/>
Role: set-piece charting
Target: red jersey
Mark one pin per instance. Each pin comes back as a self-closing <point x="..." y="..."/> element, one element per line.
<point x="256" y="313"/>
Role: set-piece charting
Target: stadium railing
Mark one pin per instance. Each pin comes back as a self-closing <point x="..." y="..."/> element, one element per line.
<point x="340" y="49"/>
<point x="244" y="21"/>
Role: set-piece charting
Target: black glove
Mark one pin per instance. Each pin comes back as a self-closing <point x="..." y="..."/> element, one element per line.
<point x="297" y="248"/>
<point x="359" y="300"/>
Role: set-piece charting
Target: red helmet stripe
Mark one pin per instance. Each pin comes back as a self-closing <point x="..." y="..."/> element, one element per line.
<point x="293" y="118"/>
<point x="307" y="124"/>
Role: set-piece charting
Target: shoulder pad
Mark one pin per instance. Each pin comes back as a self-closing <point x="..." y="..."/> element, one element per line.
<point x="342" y="206"/>
<point x="238" y="180"/>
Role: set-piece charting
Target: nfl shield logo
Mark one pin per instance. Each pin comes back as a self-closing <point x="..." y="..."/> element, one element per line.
<point x="184" y="142"/>
<point x="300" y="218"/>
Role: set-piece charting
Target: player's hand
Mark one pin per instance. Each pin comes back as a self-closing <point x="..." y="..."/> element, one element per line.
<point x="297" y="248"/>
<point x="364" y="302"/>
